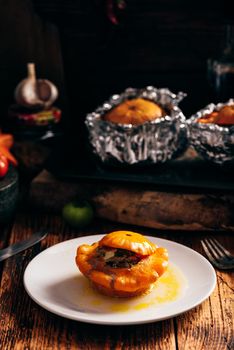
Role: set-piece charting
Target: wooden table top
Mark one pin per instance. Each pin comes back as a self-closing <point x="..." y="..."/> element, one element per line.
<point x="25" y="325"/>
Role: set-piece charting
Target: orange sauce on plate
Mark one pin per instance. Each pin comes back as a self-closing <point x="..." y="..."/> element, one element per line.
<point x="170" y="287"/>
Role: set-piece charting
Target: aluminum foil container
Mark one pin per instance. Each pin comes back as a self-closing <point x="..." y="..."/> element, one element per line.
<point x="211" y="141"/>
<point x="152" y="142"/>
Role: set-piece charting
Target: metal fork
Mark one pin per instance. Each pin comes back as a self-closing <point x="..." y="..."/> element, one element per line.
<point x="217" y="254"/>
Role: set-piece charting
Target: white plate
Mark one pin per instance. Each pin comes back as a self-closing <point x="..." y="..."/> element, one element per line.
<point x="54" y="282"/>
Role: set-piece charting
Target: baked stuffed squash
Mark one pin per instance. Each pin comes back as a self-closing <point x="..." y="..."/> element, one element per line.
<point x="223" y="117"/>
<point x="122" y="263"/>
<point x="135" y="111"/>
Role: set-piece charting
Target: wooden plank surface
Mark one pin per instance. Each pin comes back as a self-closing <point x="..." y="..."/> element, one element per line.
<point x="25" y="325"/>
<point x="138" y="205"/>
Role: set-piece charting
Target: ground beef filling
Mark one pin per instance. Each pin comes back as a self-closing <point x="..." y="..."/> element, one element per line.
<point x="117" y="258"/>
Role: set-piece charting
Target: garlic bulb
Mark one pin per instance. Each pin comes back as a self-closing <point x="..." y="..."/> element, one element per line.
<point x="32" y="92"/>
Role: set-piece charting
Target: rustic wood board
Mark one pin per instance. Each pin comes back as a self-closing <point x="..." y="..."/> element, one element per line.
<point x="137" y="205"/>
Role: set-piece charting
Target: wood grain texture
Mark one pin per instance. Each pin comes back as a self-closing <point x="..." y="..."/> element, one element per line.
<point x="25" y="325"/>
<point x="207" y="328"/>
<point x="137" y="205"/>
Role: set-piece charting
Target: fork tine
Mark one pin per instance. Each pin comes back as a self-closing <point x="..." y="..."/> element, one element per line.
<point x="222" y="249"/>
<point x="206" y="249"/>
<point x="212" y="251"/>
<point x="216" y="251"/>
<point x="216" y="255"/>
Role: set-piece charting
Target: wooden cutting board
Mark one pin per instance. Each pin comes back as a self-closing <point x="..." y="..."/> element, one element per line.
<point x="137" y="205"/>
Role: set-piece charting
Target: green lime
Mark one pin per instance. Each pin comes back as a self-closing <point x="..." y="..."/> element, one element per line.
<point x="78" y="213"/>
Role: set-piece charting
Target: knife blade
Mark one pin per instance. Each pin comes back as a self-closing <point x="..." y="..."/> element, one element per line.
<point x="22" y="245"/>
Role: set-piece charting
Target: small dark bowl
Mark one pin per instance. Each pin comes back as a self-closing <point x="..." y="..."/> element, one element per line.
<point x="8" y="195"/>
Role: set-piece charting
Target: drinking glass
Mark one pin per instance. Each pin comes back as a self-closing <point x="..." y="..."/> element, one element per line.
<point x="221" y="70"/>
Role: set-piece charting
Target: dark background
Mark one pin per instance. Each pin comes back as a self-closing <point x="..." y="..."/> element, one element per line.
<point x="164" y="43"/>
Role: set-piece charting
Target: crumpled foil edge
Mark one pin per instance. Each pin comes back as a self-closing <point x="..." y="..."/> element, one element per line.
<point x="152" y="142"/>
<point x="211" y="141"/>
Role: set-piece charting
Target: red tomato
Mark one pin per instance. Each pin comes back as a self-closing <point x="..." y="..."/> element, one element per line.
<point x="4" y="165"/>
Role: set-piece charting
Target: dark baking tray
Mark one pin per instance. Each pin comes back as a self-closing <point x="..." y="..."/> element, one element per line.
<point x="188" y="173"/>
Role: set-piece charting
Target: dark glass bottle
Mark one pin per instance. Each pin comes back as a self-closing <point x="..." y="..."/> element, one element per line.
<point x="221" y="70"/>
